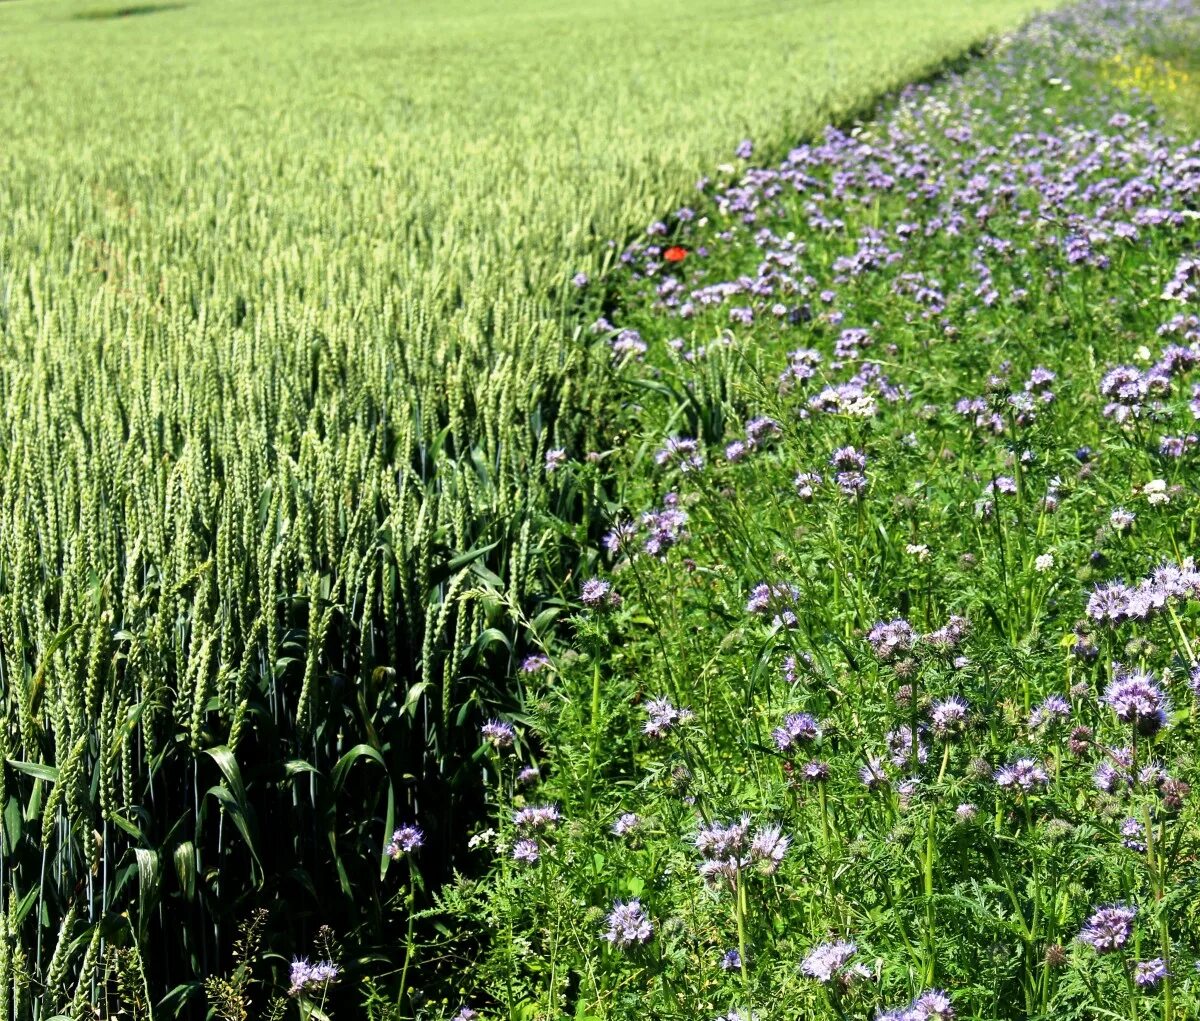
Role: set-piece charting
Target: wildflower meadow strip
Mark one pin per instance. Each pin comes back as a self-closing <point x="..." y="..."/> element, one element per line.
<point x="885" y="704"/>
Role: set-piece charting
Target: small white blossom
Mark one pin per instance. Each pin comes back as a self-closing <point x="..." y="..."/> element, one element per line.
<point x="1155" y="492"/>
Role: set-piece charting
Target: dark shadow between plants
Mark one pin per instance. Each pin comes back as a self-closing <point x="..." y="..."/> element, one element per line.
<point x="129" y="11"/>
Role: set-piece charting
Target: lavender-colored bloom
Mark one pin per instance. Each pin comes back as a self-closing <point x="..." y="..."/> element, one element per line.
<point x="628" y="343"/>
<point x="537" y="817"/>
<point x="851" y="483"/>
<point x="405" y="840"/>
<point x="1039" y="379"/>
<point x="949" y="717"/>
<point x="498" y="733"/>
<point x="680" y="452"/>
<point x="760" y="430"/>
<point x="744" y="150"/>
<point x="1121" y="519"/>
<point x="949" y="636"/>
<point x="1174" y="446"/>
<point x="535" y="663"/>
<point x="806" y="483"/>
<point x="529" y="775"/>
<point x="662" y="716"/>
<point x="526" y="851"/>
<point x="1148" y="974"/>
<point x="594" y="591"/>
<point x="826" y="961"/>
<point x="628" y="924"/>
<point x="778" y="598"/>
<point x="580" y="280"/>
<point x="731" y="960"/>
<point x="466" y="1014"/>
<point x="665" y="529"/>
<point x="306" y="977"/>
<point x="555" y="459"/>
<point x="1131" y="834"/>
<point x="1110" y="602"/>
<point x="815" y="771"/>
<point x="797" y="727"/>
<point x="848" y="459"/>
<point x="598" y="594"/>
<point x="619" y="537"/>
<point x="891" y="639"/>
<point x="626" y="824"/>
<point x="1109" y="928"/>
<point x="932" y="1005"/>
<point x="768" y="847"/>
<point x="1053" y="709"/>
<point x="719" y="840"/>
<point x="1025" y="774"/>
<point x="872" y="774"/>
<point x="1137" y="699"/>
<point x="965" y="812"/>
<point x="903" y="744"/>
<point x="906" y="790"/>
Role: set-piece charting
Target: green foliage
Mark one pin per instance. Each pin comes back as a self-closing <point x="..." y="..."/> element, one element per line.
<point x="286" y="333"/>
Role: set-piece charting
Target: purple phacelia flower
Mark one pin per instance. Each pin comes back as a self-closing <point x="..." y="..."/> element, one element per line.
<point x="555" y="459"/>
<point x="1024" y="774"/>
<point x="306" y="977"/>
<point x="1109" y="928"/>
<point x="405" y="840"/>
<point x="1148" y="974"/>
<point x="628" y="924"/>
<point x="680" y="452"/>
<point x="890" y="639"/>
<point x="1052" y="710"/>
<point x="498" y="733"/>
<point x="796" y="728"/>
<point x="1137" y="699"/>
<point x="537" y="817"/>
<point x="526" y="851"/>
<point x="830" y="962"/>
<point x="626" y="824"/>
<point x="535" y="663"/>
<point x="662" y="716"/>
<point x="949" y="716"/>
<point x="598" y="594"/>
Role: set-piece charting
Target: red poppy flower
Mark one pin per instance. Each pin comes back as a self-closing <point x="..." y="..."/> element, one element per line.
<point x="675" y="254"/>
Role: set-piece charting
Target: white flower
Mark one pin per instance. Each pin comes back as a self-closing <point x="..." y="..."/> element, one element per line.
<point x="918" y="551"/>
<point x="1155" y="492"/>
<point x="481" y="839"/>
<point x="1044" y="562"/>
<point x="1143" y="354"/>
